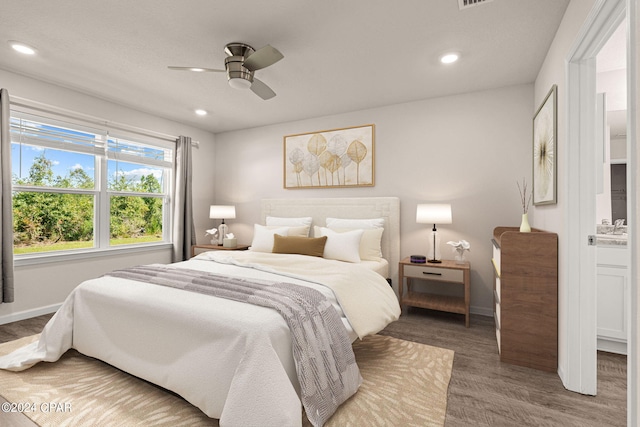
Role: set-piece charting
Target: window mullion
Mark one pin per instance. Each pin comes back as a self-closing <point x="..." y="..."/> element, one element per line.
<point x="103" y="217"/>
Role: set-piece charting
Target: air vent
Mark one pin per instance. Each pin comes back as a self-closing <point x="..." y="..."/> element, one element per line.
<point x="466" y="4"/>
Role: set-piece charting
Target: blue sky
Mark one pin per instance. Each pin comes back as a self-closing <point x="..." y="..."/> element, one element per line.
<point x="64" y="162"/>
<point x="23" y="155"/>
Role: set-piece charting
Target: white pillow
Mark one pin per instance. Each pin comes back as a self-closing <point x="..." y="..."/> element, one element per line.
<point x="334" y="223"/>
<point x="263" y="237"/>
<point x="289" y="222"/>
<point x="370" y="243"/>
<point x="341" y="246"/>
<point x="301" y="231"/>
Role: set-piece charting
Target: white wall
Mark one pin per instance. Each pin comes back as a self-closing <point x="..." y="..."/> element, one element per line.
<point x="618" y="149"/>
<point x="468" y="150"/>
<point x="39" y="289"/>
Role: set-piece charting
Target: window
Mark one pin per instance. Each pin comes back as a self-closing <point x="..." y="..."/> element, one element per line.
<point x="76" y="186"/>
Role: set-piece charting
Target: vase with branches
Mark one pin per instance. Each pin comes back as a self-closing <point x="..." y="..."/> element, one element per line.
<point x="525" y="199"/>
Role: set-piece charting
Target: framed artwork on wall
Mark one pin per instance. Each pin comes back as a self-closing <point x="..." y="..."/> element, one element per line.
<point x="330" y="159"/>
<point x="545" y="135"/>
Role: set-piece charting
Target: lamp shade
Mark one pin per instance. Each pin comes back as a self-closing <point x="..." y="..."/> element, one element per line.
<point x="222" y="212"/>
<point x="433" y="214"/>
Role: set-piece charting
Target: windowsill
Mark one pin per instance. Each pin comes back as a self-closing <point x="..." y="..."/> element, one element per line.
<point x="49" y="257"/>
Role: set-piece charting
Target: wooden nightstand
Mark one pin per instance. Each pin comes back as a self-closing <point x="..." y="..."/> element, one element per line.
<point x="216" y="248"/>
<point x="448" y="272"/>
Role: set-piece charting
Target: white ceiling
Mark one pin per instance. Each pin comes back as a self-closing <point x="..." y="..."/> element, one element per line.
<point x="339" y="55"/>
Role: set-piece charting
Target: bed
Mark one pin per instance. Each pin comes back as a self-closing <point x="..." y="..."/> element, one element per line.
<point x="232" y="360"/>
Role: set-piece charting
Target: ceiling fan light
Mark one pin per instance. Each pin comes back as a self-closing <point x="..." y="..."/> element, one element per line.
<point x="239" y="83"/>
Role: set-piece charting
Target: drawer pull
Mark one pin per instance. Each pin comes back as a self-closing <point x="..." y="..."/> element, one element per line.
<point x="431" y="274"/>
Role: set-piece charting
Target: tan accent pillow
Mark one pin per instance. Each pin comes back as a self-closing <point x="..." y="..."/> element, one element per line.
<point x="312" y="246"/>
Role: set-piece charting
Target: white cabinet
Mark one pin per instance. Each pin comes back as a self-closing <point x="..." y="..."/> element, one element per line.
<point x="613" y="291"/>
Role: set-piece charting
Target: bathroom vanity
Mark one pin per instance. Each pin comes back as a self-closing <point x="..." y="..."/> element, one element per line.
<point x="613" y="290"/>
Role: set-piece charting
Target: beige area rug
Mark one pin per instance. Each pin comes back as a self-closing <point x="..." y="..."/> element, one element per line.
<point x="405" y="384"/>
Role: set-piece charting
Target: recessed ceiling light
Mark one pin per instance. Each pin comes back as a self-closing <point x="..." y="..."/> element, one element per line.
<point x="449" y="58"/>
<point x="197" y="70"/>
<point x="22" y="48"/>
<point x="201" y="112"/>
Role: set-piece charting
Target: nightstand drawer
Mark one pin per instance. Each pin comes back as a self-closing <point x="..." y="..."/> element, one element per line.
<point x="434" y="273"/>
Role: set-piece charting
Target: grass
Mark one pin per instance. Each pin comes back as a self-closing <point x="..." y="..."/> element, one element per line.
<point x="134" y="240"/>
<point x="68" y="246"/>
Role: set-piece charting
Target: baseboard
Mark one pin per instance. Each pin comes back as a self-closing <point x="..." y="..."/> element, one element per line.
<point x="483" y="311"/>
<point x="28" y="314"/>
<point x="561" y="374"/>
<point x="612" y="346"/>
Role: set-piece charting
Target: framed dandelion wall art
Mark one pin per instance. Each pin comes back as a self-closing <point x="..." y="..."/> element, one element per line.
<point x="331" y="158"/>
<point x="545" y="131"/>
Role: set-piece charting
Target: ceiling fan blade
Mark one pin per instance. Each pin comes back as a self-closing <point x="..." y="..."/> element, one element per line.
<point x="262" y="58"/>
<point x="262" y="90"/>
<point x="197" y="69"/>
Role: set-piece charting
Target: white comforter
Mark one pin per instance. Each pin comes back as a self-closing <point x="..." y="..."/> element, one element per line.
<point x="232" y="360"/>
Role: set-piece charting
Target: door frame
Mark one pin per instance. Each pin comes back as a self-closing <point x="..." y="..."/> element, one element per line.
<point x="580" y="372"/>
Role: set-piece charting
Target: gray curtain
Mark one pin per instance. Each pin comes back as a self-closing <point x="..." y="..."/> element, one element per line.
<point x="6" y="212"/>
<point x="183" y="233"/>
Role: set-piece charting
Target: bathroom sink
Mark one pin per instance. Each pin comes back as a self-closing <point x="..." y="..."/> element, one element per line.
<point x="611" y="239"/>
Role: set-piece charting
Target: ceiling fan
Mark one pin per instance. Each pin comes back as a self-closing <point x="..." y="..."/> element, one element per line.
<point x="240" y="64"/>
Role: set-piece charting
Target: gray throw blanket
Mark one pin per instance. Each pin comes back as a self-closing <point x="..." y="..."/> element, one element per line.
<point x="325" y="363"/>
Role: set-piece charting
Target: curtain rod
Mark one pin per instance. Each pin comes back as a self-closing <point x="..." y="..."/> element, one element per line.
<point x="23" y="102"/>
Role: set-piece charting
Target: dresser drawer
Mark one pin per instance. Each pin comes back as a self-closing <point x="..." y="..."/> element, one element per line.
<point x="496" y="260"/>
<point x="434" y="273"/>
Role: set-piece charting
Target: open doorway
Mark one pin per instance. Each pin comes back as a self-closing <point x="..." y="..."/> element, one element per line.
<point x="612" y="252"/>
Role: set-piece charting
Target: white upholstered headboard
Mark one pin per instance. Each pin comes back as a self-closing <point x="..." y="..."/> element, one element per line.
<point x="358" y="207"/>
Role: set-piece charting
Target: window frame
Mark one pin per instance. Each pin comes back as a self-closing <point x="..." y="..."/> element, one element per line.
<point x="101" y="193"/>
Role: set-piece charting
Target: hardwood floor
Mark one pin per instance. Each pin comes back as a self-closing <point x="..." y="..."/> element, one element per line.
<point x="483" y="391"/>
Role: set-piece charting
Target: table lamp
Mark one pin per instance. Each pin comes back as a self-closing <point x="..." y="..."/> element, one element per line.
<point x="434" y="214"/>
<point x="222" y="212"/>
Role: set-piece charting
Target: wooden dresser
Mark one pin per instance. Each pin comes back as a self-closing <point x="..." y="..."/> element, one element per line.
<point x="526" y="297"/>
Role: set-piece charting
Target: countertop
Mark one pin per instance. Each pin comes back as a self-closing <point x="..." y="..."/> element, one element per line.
<point x="608" y="235"/>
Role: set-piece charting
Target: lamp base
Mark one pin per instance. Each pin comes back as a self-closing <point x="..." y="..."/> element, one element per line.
<point x="433" y="252"/>
<point x="222" y="232"/>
